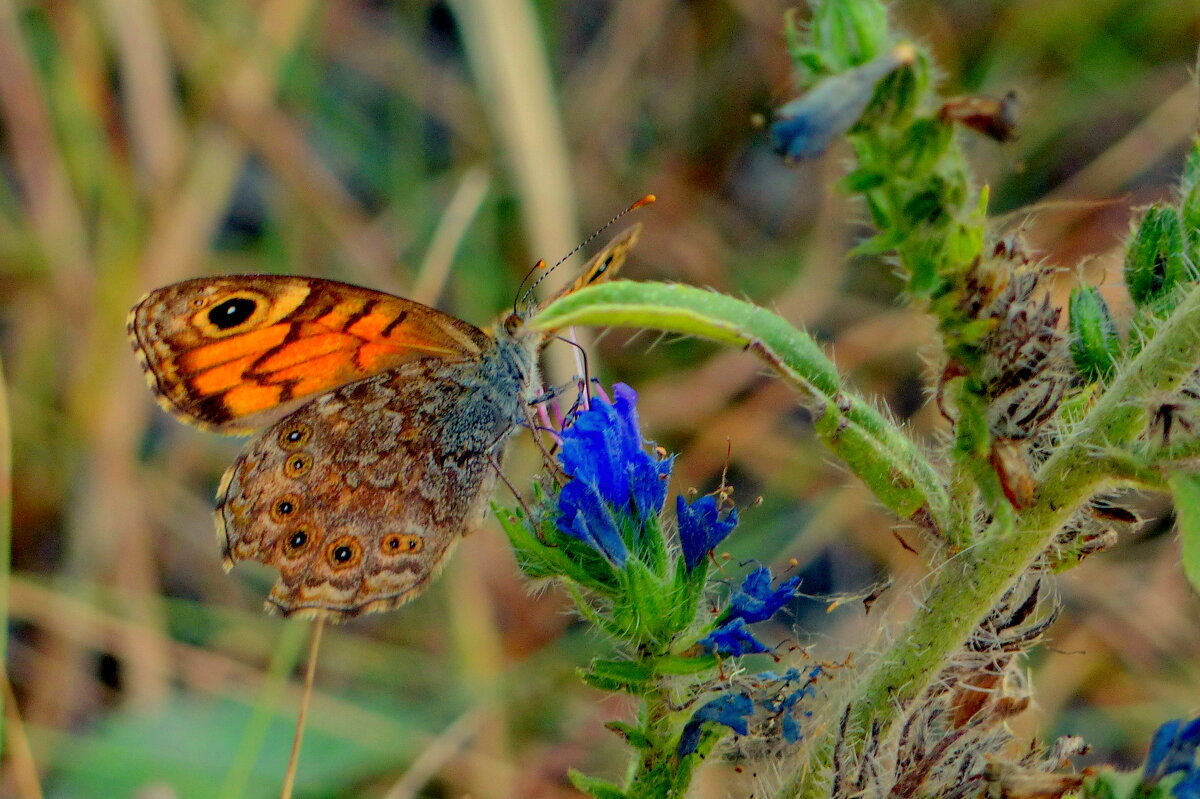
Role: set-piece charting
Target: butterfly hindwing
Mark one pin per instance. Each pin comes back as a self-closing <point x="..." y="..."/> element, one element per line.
<point x="358" y="497"/>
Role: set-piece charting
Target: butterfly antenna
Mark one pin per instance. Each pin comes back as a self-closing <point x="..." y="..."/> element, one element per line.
<point x="541" y="264"/>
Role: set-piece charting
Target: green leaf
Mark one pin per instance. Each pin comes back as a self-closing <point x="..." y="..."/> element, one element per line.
<point x="875" y="448"/>
<point x="863" y="180"/>
<point x="595" y="787"/>
<point x="558" y="556"/>
<point x="1185" y="488"/>
<point x="632" y="735"/>
<point x="633" y="676"/>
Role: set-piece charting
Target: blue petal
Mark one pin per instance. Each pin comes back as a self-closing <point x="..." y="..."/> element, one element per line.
<point x="604" y="448"/>
<point x="1172" y="750"/>
<point x="590" y="453"/>
<point x="732" y="710"/>
<point x="791" y="729"/>
<point x="1189" y="786"/>
<point x="732" y="638"/>
<point x="700" y="527"/>
<point x="805" y="126"/>
<point x="586" y="518"/>
<point x="756" y="600"/>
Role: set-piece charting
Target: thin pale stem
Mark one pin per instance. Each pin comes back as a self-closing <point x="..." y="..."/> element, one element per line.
<point x="289" y="779"/>
<point x="22" y="767"/>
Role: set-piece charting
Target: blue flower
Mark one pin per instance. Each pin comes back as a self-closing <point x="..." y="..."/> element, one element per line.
<point x="1173" y="751"/>
<point x="804" y="127"/>
<point x="756" y="600"/>
<point x="700" y="527"/>
<point x="612" y="475"/>
<point x="732" y="638"/>
<point x="732" y="710"/>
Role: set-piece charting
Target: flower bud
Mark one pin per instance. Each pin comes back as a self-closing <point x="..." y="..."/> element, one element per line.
<point x="1095" y="343"/>
<point x="1154" y="259"/>
<point x="855" y="30"/>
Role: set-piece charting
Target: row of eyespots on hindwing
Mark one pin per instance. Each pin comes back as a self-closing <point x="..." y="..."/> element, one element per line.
<point x="342" y="553"/>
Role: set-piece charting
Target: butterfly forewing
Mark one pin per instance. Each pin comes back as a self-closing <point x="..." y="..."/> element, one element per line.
<point x="219" y="352"/>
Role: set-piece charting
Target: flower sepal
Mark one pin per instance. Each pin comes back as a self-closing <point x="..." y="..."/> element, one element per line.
<point x="648" y="604"/>
<point x="689" y="591"/>
<point x="555" y="555"/>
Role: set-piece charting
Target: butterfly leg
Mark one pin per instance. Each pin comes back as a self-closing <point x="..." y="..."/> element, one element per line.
<point x="495" y="463"/>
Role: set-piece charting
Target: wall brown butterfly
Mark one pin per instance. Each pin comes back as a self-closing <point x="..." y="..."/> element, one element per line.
<point x="395" y="418"/>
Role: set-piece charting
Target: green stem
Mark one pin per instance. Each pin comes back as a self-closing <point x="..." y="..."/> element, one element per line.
<point x="654" y="776"/>
<point x="970" y="585"/>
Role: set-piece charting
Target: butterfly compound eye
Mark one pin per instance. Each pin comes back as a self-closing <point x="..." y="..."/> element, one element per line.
<point x="232" y="313"/>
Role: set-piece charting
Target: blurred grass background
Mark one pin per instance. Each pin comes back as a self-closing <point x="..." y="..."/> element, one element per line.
<point x="436" y="150"/>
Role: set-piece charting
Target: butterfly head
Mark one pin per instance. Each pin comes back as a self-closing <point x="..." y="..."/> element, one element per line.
<point x="513" y="323"/>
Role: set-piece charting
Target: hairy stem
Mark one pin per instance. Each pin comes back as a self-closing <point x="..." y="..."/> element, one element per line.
<point x="970" y="585"/>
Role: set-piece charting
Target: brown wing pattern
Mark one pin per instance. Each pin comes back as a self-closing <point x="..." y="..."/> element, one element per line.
<point x="220" y="351"/>
<point x="358" y="497"/>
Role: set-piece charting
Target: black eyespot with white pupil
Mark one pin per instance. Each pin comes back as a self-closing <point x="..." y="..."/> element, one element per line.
<point x="232" y="313"/>
<point x="343" y="554"/>
<point x="296" y="466"/>
<point x="294" y="436"/>
<point x="283" y="508"/>
<point x="298" y="539"/>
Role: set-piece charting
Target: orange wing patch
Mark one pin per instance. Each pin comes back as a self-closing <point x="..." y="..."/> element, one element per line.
<point x="218" y="350"/>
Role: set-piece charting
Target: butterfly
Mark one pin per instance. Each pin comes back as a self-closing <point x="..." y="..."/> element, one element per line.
<point x="395" y="418"/>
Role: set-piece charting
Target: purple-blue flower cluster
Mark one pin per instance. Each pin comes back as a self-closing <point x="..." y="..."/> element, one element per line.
<point x="1174" y="751"/>
<point x="617" y="487"/>
<point x="614" y="482"/>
